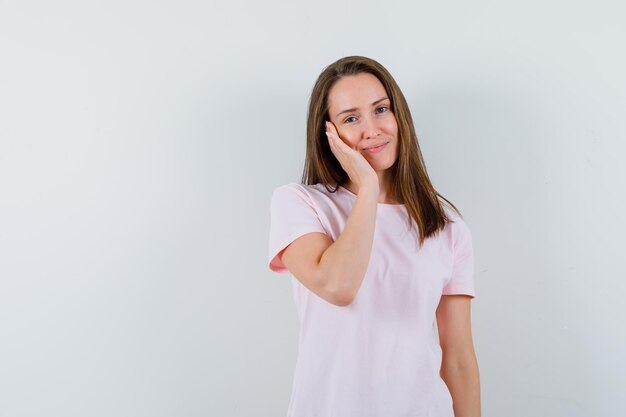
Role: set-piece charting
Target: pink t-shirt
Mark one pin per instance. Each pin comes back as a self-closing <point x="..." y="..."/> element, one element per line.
<point x="379" y="356"/>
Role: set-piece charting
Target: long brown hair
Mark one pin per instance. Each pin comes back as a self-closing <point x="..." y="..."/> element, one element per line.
<point x="410" y="183"/>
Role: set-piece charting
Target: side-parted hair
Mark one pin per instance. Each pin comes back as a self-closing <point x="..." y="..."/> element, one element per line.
<point x="410" y="183"/>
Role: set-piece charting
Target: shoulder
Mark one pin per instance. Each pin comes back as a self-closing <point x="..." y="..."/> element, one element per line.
<point x="296" y="186"/>
<point x="292" y="187"/>
<point x="311" y="193"/>
<point x="457" y="228"/>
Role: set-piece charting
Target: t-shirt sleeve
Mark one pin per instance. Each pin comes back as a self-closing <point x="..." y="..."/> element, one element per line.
<point x="292" y="214"/>
<point x="462" y="279"/>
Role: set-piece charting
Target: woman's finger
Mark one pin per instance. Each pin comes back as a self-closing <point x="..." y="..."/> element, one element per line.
<point x="330" y="126"/>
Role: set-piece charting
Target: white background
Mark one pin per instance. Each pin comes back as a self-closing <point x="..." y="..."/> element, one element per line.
<point x="140" y="143"/>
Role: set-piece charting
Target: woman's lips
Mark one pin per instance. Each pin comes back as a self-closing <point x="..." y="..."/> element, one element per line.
<point x="376" y="149"/>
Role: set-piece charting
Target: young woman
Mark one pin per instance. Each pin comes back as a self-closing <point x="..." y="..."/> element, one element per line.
<point x="382" y="268"/>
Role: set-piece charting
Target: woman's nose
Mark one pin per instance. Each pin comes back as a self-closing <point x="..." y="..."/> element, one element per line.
<point x="370" y="128"/>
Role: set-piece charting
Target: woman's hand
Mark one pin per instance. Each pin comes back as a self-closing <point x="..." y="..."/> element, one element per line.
<point x="356" y="166"/>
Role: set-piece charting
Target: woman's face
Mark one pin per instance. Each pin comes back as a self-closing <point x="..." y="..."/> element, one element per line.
<point x="360" y="109"/>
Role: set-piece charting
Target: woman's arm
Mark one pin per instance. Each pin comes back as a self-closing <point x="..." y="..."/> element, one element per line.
<point x="335" y="270"/>
<point x="459" y="368"/>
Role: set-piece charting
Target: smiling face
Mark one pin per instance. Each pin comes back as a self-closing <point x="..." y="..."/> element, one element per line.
<point x="360" y="109"/>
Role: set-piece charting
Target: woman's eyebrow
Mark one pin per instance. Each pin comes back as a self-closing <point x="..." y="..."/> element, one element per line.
<point x="356" y="108"/>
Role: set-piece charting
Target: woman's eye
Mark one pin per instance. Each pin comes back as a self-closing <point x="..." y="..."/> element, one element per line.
<point x="383" y="108"/>
<point x="349" y="119"/>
